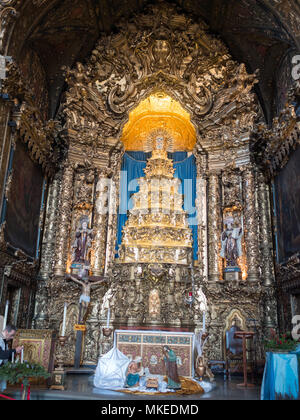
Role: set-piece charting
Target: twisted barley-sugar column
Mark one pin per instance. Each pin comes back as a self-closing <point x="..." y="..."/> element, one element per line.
<point x="250" y="217"/>
<point x="213" y="226"/>
<point x="265" y="231"/>
<point x="100" y="223"/>
<point x="64" y="217"/>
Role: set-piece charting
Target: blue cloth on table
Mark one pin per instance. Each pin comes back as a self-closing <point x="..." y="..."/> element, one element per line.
<point x="281" y="377"/>
<point x="297" y="351"/>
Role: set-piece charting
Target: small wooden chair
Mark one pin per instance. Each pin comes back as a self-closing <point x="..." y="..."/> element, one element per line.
<point x="233" y="352"/>
<point x="234" y="348"/>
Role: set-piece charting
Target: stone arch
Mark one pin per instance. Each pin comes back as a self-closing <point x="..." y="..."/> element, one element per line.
<point x="233" y="314"/>
<point x="156" y="111"/>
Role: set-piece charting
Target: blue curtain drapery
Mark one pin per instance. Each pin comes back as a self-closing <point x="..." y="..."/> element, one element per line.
<point x="132" y="169"/>
<point x="186" y="171"/>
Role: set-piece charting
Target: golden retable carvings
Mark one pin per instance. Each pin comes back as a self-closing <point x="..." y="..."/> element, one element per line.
<point x="151" y="87"/>
<point x="159" y="110"/>
<point x="157" y="228"/>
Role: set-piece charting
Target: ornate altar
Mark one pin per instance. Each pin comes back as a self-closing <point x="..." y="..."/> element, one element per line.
<point x="151" y="88"/>
<point x="149" y="345"/>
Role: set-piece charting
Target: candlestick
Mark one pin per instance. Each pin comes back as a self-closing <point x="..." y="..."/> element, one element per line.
<point x="64" y="320"/>
<point x="108" y="318"/>
<point x="190" y="298"/>
<point x="5" y="314"/>
<point x="59" y="372"/>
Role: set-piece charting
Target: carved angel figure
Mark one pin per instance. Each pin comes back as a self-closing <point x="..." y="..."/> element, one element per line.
<point x="201" y="301"/>
<point x="106" y="303"/>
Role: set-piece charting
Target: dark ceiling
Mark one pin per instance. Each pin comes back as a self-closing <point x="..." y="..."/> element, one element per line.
<point x="57" y="33"/>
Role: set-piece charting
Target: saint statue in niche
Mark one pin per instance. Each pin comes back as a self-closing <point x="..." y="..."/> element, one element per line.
<point x="231" y="240"/>
<point x="83" y="242"/>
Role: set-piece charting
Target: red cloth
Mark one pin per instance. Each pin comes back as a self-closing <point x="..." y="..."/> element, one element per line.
<point x="6" y="398"/>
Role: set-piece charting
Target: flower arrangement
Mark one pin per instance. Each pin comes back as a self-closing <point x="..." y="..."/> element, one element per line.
<point x="15" y="373"/>
<point x="283" y="342"/>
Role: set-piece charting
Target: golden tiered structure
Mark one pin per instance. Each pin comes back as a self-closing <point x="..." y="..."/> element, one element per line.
<point x="157" y="229"/>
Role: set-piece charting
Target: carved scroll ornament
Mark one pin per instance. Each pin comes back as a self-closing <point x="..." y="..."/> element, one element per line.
<point x="160" y="51"/>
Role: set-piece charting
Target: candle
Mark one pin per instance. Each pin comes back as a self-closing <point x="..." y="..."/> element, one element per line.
<point x="204" y="321"/>
<point x="108" y="318"/>
<point x="22" y="355"/>
<point x="64" y="320"/>
<point x="5" y="314"/>
<point x="190" y="298"/>
<point x="13" y="358"/>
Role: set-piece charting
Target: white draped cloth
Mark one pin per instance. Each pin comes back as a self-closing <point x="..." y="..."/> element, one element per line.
<point x="111" y="370"/>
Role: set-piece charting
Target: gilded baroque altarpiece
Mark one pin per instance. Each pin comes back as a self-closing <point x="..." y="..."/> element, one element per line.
<point x="161" y="53"/>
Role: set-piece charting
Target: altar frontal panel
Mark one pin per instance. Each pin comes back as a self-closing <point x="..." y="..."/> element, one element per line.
<point x="149" y="346"/>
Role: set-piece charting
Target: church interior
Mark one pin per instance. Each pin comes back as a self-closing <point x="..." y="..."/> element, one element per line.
<point x="149" y="202"/>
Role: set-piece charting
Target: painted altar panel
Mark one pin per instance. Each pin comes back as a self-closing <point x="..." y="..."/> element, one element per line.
<point x="287" y="201"/>
<point x="38" y="346"/>
<point x="149" y="344"/>
<point x="23" y="208"/>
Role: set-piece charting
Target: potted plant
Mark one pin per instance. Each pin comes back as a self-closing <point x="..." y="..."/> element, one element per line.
<point x="280" y="343"/>
<point x="15" y="373"/>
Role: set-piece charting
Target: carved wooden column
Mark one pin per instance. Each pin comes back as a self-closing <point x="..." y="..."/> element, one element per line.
<point x="65" y="208"/>
<point x="113" y="213"/>
<point x="201" y="206"/>
<point x="48" y="248"/>
<point x="48" y="244"/>
<point x="251" y="222"/>
<point x="100" y="222"/>
<point x="213" y="226"/>
<point x="266" y="244"/>
<point x="269" y="301"/>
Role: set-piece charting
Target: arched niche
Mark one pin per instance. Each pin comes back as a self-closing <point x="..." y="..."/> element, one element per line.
<point x="235" y="315"/>
<point x="159" y="111"/>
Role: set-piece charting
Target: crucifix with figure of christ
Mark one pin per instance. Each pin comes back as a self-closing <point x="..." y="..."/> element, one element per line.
<point x="84" y="281"/>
